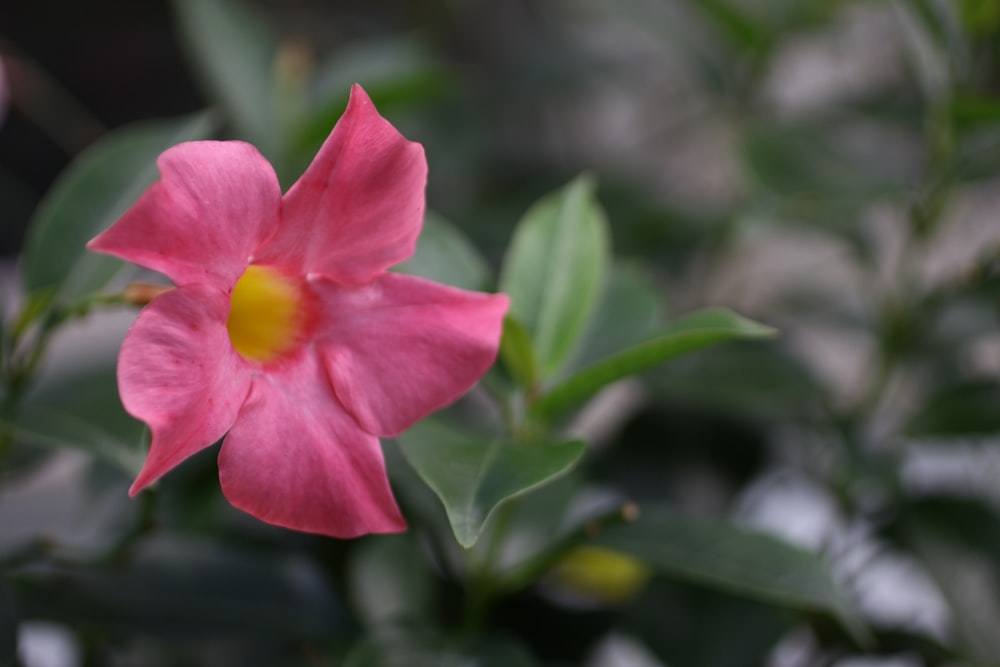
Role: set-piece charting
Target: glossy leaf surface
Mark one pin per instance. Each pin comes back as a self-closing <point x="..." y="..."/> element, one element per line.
<point x="554" y="270"/>
<point x="687" y="334"/>
<point x="721" y="555"/>
<point x="96" y="189"/>
<point x="472" y="476"/>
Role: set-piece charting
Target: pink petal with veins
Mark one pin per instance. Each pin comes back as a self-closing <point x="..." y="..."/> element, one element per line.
<point x="403" y="347"/>
<point x="296" y="459"/>
<point x="359" y="207"/>
<point x="213" y="205"/>
<point x="178" y="373"/>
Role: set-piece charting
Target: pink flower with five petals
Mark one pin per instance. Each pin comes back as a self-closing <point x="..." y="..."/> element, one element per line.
<point x="285" y="334"/>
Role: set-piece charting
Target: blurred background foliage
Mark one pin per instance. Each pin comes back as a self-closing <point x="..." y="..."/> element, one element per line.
<point x="829" y="167"/>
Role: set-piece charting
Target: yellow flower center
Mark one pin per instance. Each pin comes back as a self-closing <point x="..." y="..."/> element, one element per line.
<point x="266" y="315"/>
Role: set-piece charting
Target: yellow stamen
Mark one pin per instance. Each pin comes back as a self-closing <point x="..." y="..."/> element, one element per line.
<point x="266" y="316"/>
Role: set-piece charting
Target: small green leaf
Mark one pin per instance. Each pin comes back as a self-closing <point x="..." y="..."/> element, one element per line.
<point x="473" y="477"/>
<point x="445" y="255"/>
<point x="96" y="189"/>
<point x="517" y="352"/>
<point x="721" y="555"/>
<point x="554" y="270"/>
<point x="690" y="333"/>
<point x="232" y="50"/>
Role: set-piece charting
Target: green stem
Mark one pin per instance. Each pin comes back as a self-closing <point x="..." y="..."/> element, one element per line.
<point x="483" y="585"/>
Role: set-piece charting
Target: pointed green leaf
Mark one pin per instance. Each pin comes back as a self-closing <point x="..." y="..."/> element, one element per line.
<point x="517" y="352"/>
<point x="721" y="555"/>
<point x="690" y="333"/>
<point x="446" y="256"/>
<point x="473" y="477"/>
<point x="554" y="270"/>
<point x="232" y="51"/>
<point x="96" y="189"/>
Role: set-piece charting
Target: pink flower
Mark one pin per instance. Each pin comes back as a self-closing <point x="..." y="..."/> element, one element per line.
<point x="285" y="333"/>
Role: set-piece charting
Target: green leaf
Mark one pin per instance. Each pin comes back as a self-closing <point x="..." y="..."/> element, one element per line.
<point x="737" y="26"/>
<point x="388" y="580"/>
<point x="554" y="270"/>
<point x="723" y="556"/>
<point x="445" y="255"/>
<point x="957" y="542"/>
<point x="82" y="411"/>
<point x="808" y="165"/>
<point x="690" y="333"/>
<point x="403" y="645"/>
<point x="96" y="189"/>
<point x="517" y="352"/>
<point x="201" y="590"/>
<point x="473" y="477"/>
<point x="966" y="410"/>
<point x="232" y="50"/>
<point x="55" y="428"/>
<point x="630" y="311"/>
<point x="395" y="71"/>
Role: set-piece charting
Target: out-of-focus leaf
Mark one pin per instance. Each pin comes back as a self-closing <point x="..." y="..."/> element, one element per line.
<point x="690" y="333"/>
<point x="54" y="428"/>
<point x="922" y="37"/>
<point x="957" y="541"/>
<point x="554" y="270"/>
<point x="965" y="410"/>
<point x="738" y="26"/>
<point x="752" y="627"/>
<point x="518" y="353"/>
<point x="171" y="589"/>
<point x="82" y="410"/>
<point x="472" y="477"/>
<point x="445" y="255"/>
<point x="631" y="309"/>
<point x="389" y="581"/>
<point x="8" y="627"/>
<point x="980" y="18"/>
<point x="969" y="110"/>
<point x="419" y="647"/>
<point x="96" y="189"/>
<point x="721" y="555"/>
<point x="535" y="530"/>
<point x="759" y="379"/>
<point x="395" y="71"/>
<point x="808" y="166"/>
<point x="233" y="50"/>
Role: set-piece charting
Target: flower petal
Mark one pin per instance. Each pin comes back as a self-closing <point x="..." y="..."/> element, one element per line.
<point x="296" y="459"/>
<point x="213" y="205"/>
<point x="403" y="347"/>
<point x="178" y="373"/>
<point x="358" y="208"/>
